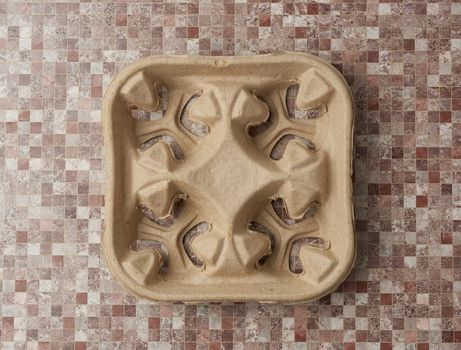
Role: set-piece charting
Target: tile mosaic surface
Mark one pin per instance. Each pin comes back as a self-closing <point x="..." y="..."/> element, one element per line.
<point x="403" y="62"/>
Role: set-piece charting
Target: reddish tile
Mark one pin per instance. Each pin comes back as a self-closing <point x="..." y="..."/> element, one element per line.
<point x="403" y="64"/>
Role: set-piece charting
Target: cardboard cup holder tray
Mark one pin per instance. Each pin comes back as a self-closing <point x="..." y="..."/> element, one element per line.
<point x="229" y="178"/>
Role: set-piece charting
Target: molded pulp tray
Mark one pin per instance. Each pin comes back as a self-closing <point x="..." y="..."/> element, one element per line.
<point x="229" y="178"/>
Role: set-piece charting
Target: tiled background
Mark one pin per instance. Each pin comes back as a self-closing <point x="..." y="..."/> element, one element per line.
<point x="403" y="62"/>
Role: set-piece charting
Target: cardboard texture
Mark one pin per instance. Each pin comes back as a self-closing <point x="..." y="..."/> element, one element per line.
<point x="221" y="171"/>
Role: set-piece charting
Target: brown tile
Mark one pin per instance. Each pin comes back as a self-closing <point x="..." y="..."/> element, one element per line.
<point x="402" y="62"/>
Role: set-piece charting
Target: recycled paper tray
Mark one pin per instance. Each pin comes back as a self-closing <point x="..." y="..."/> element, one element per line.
<point x="229" y="178"/>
